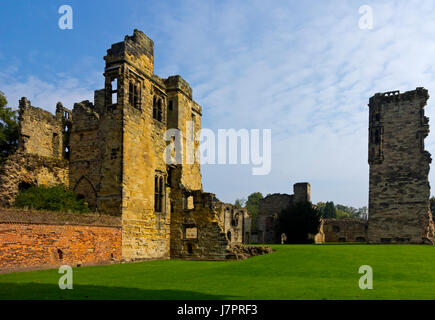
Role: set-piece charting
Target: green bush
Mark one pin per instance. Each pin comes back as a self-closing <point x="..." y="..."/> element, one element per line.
<point x="55" y="198"/>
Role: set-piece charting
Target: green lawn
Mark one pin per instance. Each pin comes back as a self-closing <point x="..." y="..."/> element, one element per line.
<point x="292" y="272"/>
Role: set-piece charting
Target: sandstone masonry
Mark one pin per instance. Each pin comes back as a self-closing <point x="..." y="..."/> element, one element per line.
<point x="399" y="192"/>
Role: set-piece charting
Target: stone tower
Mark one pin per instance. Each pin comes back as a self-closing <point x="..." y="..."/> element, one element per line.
<point x="302" y="192"/>
<point x="399" y="166"/>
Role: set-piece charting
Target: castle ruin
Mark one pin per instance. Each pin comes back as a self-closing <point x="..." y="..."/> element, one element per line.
<point x="399" y="210"/>
<point x="111" y="153"/>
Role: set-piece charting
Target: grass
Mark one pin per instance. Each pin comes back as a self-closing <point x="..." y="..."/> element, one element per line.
<point x="292" y="272"/>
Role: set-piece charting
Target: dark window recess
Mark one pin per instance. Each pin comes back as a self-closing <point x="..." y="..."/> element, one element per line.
<point x="360" y="239"/>
<point x="114" y="153"/>
<point x="158" y="193"/>
<point x="229" y="235"/>
<point x="154" y="107"/>
<point x="385" y="240"/>
<point x="60" y="254"/>
<point x="171" y="105"/>
<point x="189" y="248"/>
<point x="130" y="93"/>
<point x="66" y="153"/>
<point x="136" y="96"/>
<point x="169" y="178"/>
<point x="377" y="137"/>
<point x="157" y="108"/>
<point x="377" y="117"/>
<point x="341" y="239"/>
<point x="336" y="229"/>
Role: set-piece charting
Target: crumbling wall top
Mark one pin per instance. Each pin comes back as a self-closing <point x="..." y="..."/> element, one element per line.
<point x="136" y="44"/>
<point x="178" y="83"/>
<point x="396" y="96"/>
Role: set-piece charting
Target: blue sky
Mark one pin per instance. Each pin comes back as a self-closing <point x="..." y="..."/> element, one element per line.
<point x="301" y="68"/>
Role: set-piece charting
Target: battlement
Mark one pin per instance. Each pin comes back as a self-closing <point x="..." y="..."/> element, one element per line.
<point x="395" y="96"/>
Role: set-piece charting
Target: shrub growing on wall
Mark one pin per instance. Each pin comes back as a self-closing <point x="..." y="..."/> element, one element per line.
<point x="54" y="198"/>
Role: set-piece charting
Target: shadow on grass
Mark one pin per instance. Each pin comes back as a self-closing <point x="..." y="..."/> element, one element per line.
<point x="38" y="291"/>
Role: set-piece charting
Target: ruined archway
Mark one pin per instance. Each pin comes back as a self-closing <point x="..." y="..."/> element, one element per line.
<point x="84" y="188"/>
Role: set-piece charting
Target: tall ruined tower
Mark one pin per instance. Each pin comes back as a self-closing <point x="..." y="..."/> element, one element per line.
<point x="136" y="180"/>
<point x="399" y="166"/>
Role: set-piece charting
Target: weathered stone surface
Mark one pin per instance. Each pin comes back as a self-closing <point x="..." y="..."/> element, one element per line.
<point x="399" y="167"/>
<point x="23" y="169"/>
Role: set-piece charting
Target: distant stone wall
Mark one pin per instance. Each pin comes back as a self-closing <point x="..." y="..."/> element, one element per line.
<point x="33" y="239"/>
<point x="271" y="206"/>
<point x="342" y="230"/>
<point x="268" y="212"/>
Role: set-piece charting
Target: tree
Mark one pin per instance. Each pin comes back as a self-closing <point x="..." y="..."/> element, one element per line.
<point x="8" y="129"/>
<point x="253" y="206"/>
<point x="329" y="212"/>
<point x="342" y="214"/>
<point x="299" y="221"/>
<point x="239" y="203"/>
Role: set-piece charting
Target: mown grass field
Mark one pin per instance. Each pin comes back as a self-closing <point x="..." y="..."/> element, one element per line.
<point x="292" y="272"/>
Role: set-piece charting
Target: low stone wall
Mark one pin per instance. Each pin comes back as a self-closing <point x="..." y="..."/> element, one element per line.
<point x="34" y="240"/>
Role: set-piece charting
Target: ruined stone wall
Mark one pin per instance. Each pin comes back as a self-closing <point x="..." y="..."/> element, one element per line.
<point x="22" y="170"/>
<point x="268" y="212"/>
<point x="196" y="232"/>
<point x="44" y="239"/>
<point x="343" y="230"/>
<point x="234" y="222"/>
<point x="41" y="132"/>
<point x="85" y="156"/>
<point x="185" y="115"/>
<point x="399" y="166"/>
